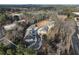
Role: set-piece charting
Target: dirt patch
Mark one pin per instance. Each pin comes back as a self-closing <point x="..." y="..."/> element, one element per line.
<point x="42" y="23"/>
<point x="62" y="17"/>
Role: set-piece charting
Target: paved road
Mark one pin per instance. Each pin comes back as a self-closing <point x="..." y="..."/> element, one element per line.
<point x="75" y="41"/>
<point x="35" y="42"/>
<point x="1" y="33"/>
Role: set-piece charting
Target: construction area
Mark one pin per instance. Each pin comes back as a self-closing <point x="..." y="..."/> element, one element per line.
<point x="39" y="31"/>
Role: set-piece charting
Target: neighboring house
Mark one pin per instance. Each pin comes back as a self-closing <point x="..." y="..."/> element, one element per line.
<point x="76" y="17"/>
<point x="13" y="25"/>
<point x="11" y="31"/>
<point x="33" y="37"/>
<point x="76" y="14"/>
<point x="17" y="16"/>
